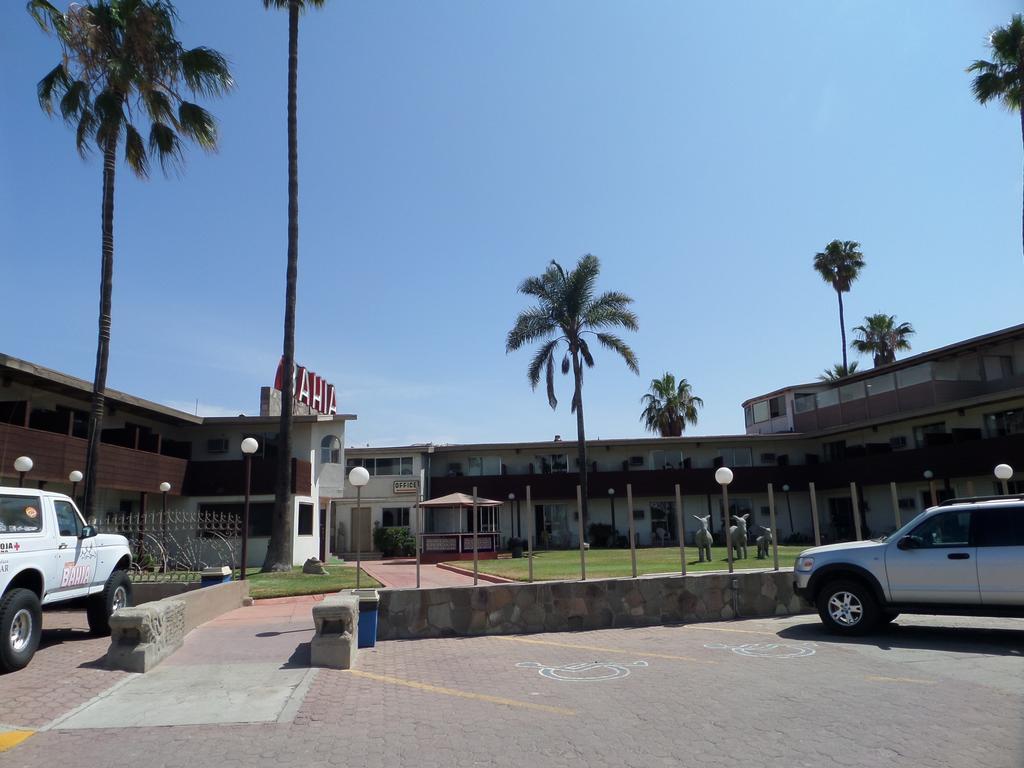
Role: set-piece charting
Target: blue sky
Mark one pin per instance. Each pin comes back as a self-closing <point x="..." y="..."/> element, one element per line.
<point x="704" y="151"/>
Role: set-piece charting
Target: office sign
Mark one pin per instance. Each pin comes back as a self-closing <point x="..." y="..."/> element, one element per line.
<point x="406" y="486"/>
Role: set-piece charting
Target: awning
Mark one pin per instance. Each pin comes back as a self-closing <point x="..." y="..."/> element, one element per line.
<point x="460" y="500"/>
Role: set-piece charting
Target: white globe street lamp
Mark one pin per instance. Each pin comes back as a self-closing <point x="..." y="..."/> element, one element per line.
<point x="723" y="476"/>
<point x="22" y="465"/>
<point x="1003" y="473"/>
<point x="74" y="477"/>
<point x="930" y="477"/>
<point x="358" y="477"/>
<point x="249" y="446"/>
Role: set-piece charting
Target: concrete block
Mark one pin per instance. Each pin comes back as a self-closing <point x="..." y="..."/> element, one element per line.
<point x="142" y="637"/>
<point x="336" y="620"/>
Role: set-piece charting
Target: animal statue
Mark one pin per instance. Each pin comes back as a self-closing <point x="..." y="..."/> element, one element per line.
<point x="764" y="541"/>
<point x="738" y="536"/>
<point x="703" y="537"/>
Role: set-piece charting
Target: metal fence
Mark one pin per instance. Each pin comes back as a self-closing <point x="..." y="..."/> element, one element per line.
<point x="177" y="545"/>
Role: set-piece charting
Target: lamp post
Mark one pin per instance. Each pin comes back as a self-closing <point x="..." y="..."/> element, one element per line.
<point x="1003" y="473"/>
<point x="789" y="507"/>
<point x="723" y="476"/>
<point x="74" y="478"/>
<point x="22" y="465"/>
<point x="930" y="477"/>
<point x="611" y="500"/>
<point x="511" y="498"/>
<point x="249" y="446"/>
<point x="358" y="477"/>
<point x="164" y="488"/>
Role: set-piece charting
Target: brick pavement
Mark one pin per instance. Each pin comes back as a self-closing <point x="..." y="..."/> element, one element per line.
<point x="934" y="693"/>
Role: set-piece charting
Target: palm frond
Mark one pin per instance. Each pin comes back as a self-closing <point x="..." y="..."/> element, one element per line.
<point x="585" y="354"/>
<point x="53" y="82"/>
<point x="540" y="358"/>
<point x="75" y="98"/>
<point x="206" y="71"/>
<point x="303" y="4"/>
<point x="198" y="125"/>
<point x="531" y="325"/>
<point x="165" y="144"/>
<point x="614" y="343"/>
<point x="135" y="151"/>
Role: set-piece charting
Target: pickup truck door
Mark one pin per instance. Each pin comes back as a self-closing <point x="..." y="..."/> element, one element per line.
<point x="999" y="534"/>
<point x="74" y="568"/>
<point x="941" y="568"/>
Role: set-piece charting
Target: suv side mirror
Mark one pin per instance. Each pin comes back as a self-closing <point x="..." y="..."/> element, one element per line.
<point x="88" y="531"/>
<point x="908" y="542"/>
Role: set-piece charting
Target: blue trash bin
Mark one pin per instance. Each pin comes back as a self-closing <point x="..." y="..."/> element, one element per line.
<point x="369" y="601"/>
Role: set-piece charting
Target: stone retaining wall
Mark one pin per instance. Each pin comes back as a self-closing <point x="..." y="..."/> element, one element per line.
<point x="558" y="606"/>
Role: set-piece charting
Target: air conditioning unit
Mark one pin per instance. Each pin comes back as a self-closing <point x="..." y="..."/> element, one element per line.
<point x="217" y="445"/>
<point x="896" y="443"/>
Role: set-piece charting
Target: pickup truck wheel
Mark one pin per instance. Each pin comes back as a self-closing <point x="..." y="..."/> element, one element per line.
<point x="117" y="593"/>
<point x="847" y="608"/>
<point x="21" y="625"/>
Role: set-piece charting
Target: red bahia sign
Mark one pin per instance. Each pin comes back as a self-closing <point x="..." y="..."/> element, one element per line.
<point x="310" y="389"/>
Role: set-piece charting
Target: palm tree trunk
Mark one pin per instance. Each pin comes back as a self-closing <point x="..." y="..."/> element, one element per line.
<point x="279" y="549"/>
<point x="842" y="330"/>
<point x="1022" y="199"/>
<point x="99" y="382"/>
<point x="581" y="436"/>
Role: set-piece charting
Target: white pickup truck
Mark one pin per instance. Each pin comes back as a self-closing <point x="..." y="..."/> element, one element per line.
<point x="49" y="555"/>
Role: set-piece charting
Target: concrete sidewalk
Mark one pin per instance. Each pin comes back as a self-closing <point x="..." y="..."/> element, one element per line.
<point x="401" y="574"/>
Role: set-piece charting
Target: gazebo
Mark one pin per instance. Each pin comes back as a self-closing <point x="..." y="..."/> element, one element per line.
<point x="453" y="525"/>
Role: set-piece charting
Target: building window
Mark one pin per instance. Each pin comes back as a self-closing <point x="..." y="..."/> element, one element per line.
<point x="552" y="462"/>
<point x="777" y="406"/>
<point x="804" y="402"/>
<point x="330" y="450"/>
<point x="378" y="467"/>
<point x="736" y="457"/>
<point x="834" y="451"/>
<point x="1004" y="423"/>
<point x="748" y="415"/>
<point x="997" y="367"/>
<point x="485" y="465"/>
<point x="395" y="517"/>
<point x="305" y="519"/>
<point x="921" y="434"/>
<point x="666" y="459"/>
<point x="761" y="412"/>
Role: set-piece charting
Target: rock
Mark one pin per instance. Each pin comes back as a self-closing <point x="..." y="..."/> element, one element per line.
<point x="314" y="567"/>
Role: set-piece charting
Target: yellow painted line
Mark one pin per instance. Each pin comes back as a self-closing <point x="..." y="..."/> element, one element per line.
<point x="11" y="739"/>
<point x="462" y="694"/>
<point x="881" y="679"/>
<point x="602" y="649"/>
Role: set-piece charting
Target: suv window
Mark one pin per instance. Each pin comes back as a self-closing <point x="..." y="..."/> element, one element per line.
<point x="20" y="514"/>
<point x="68" y="521"/>
<point x="999" y="527"/>
<point x="948" y="529"/>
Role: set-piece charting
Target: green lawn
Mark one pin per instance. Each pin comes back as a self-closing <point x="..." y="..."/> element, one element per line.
<point x="295" y="582"/>
<point x="563" y="564"/>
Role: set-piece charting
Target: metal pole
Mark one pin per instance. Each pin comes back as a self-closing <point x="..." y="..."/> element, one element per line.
<point x="359" y="540"/>
<point x="856" y="512"/>
<point x="895" y="505"/>
<point x="814" y="514"/>
<point x="632" y="526"/>
<point x="1006" y="490"/>
<point x="245" y="514"/>
<point x="163" y="534"/>
<point x="614" y="531"/>
<point x="681" y="531"/>
<point x="419" y="525"/>
<point x="935" y="498"/>
<point x="21" y="479"/>
<point x="579" y="528"/>
<point x="529" y="534"/>
<point x="771" y="522"/>
<point x="970" y="488"/>
<point x="728" y="519"/>
<point x="476" y="525"/>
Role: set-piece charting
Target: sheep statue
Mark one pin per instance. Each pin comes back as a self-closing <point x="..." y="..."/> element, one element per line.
<point x="738" y="536"/>
<point x="703" y="537"/>
<point x="764" y="541"/>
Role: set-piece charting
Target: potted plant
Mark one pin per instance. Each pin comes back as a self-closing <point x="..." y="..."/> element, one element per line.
<point x="515" y="546"/>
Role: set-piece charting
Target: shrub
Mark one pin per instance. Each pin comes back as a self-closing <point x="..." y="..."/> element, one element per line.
<point x="600" y="534"/>
<point x="394" y="541"/>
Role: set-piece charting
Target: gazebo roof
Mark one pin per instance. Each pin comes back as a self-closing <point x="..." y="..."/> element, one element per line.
<point x="460" y="500"/>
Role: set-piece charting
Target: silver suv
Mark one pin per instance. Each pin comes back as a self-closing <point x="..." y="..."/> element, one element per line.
<point x="965" y="556"/>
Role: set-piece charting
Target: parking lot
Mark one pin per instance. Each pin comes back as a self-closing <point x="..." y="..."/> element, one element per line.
<point x="770" y="692"/>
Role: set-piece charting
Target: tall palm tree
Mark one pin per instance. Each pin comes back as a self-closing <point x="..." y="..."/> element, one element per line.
<point x="279" y="548"/>
<point x="839" y="265"/>
<point x="837" y="372"/>
<point x="669" y="407"/>
<point x="123" y="67"/>
<point x="1002" y="79"/>
<point x="567" y="312"/>
<point x="882" y="337"/>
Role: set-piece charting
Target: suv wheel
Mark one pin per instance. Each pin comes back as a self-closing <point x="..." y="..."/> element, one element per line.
<point x="21" y="625"/>
<point x="117" y="593"/>
<point x="847" y="608"/>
